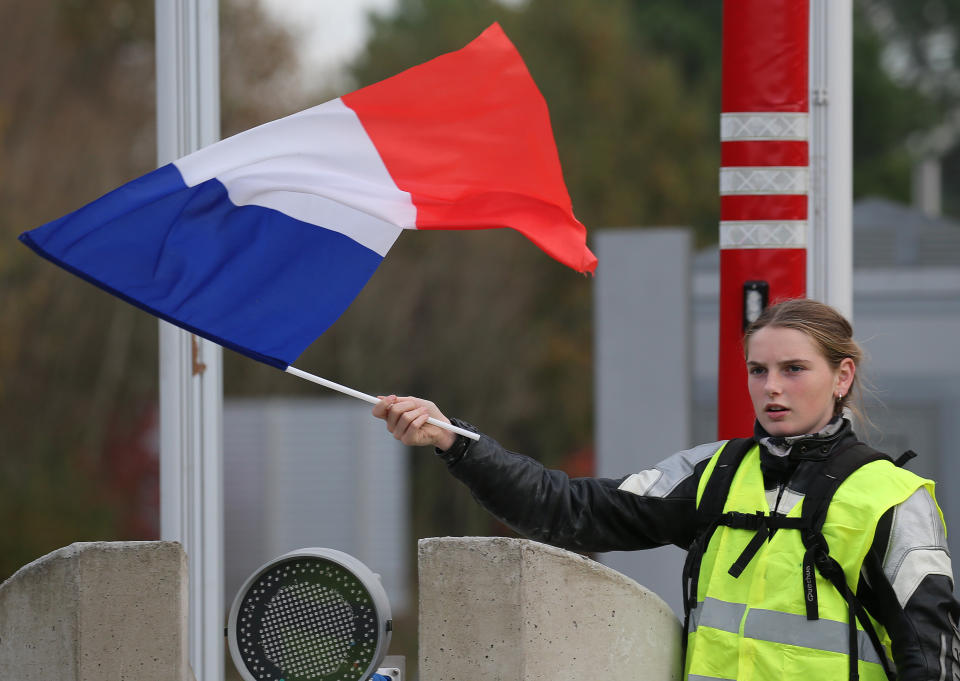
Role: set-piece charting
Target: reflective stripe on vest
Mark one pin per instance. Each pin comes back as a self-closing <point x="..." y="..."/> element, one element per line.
<point x="754" y="628"/>
<point x="779" y="627"/>
<point x="717" y="614"/>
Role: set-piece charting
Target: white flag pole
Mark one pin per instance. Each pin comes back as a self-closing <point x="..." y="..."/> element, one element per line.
<point x="372" y="400"/>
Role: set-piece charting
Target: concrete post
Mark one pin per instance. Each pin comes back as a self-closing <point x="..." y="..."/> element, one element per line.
<point x="96" y="611"/>
<point x="493" y="609"/>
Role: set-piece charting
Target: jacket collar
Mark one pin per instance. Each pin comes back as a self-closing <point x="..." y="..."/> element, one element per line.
<point x="782" y="454"/>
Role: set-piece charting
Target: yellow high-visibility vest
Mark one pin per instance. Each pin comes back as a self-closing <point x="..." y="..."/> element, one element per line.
<point x="754" y="627"/>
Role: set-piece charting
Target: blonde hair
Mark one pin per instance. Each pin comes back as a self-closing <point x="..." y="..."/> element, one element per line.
<point x="828" y="329"/>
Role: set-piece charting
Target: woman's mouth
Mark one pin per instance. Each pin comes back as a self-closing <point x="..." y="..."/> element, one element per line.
<point x="776" y="411"/>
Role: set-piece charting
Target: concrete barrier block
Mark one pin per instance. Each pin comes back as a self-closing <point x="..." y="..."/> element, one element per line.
<point x="97" y="610"/>
<point x="498" y="609"/>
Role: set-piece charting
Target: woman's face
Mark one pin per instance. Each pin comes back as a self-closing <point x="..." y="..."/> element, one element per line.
<point x="792" y="386"/>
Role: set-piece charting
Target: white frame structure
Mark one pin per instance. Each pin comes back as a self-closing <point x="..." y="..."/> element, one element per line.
<point x="191" y="377"/>
<point x="830" y="216"/>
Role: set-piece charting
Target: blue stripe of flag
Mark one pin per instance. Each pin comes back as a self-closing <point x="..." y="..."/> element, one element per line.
<point x="249" y="278"/>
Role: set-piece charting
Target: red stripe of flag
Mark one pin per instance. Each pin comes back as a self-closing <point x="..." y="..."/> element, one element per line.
<point x="468" y="135"/>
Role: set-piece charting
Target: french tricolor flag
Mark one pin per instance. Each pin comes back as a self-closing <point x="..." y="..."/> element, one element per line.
<point x="259" y="242"/>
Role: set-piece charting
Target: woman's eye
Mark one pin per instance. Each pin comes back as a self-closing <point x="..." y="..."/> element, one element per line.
<point x="794" y="368"/>
<point x="756" y="371"/>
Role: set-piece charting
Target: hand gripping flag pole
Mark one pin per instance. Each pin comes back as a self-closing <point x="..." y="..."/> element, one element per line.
<point x="372" y="400"/>
<point x="259" y="242"/>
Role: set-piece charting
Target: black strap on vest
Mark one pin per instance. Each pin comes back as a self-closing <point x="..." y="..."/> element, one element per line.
<point x="709" y="511"/>
<point x="832" y="473"/>
<point x="904" y="458"/>
<point x="837" y="468"/>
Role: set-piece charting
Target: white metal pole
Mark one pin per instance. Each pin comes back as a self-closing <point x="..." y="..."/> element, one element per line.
<point x="191" y="378"/>
<point x="830" y="249"/>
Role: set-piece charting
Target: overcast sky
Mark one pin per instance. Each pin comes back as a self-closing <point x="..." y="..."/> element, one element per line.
<point x="329" y="31"/>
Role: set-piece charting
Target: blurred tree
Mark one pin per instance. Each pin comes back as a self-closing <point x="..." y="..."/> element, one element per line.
<point x="82" y="96"/>
<point x="920" y="43"/>
<point x="901" y="94"/>
<point x="77" y="367"/>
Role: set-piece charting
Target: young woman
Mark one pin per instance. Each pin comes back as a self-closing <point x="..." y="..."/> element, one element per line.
<point x="792" y="534"/>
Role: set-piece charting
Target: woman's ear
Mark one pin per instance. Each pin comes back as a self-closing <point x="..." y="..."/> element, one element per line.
<point x="845" y="374"/>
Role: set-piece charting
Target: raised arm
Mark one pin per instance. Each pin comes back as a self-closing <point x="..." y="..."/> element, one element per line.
<point x="584" y="514"/>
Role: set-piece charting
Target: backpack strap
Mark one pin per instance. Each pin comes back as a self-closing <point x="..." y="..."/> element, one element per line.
<point x="715" y="493"/>
<point x="816" y="502"/>
<point x="902" y="460"/>
<point x="709" y="512"/>
<point x="833" y="472"/>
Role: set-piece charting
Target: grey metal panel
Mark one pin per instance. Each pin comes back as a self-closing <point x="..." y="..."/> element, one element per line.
<point x="244" y="444"/>
<point x="314" y="472"/>
<point x="643" y="371"/>
<point x="642" y="356"/>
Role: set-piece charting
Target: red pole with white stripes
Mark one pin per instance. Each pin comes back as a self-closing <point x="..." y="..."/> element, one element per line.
<point x="764" y="180"/>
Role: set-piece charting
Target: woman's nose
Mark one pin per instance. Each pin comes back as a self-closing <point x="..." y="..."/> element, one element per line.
<point x="772" y="386"/>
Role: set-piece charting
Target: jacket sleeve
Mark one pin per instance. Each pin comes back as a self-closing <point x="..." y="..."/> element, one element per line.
<point x="582" y="514"/>
<point x="910" y="578"/>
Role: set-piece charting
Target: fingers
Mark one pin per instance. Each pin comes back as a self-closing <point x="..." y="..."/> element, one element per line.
<point x="406" y="418"/>
<point x="381" y="408"/>
<point x="392" y="409"/>
<point x="409" y="424"/>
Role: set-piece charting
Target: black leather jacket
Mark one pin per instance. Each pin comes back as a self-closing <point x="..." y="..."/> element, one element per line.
<point x="906" y="584"/>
